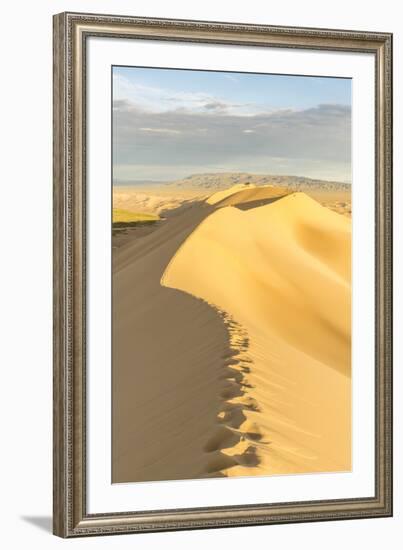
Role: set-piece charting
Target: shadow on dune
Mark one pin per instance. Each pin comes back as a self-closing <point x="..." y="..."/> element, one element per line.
<point x="178" y="366"/>
<point x="255" y="204"/>
<point x="173" y="212"/>
<point x="231" y="415"/>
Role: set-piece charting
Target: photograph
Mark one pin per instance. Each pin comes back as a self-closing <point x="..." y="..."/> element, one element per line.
<point x="231" y="274"/>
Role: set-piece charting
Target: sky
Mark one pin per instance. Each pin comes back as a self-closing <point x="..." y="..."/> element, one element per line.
<point x="171" y="123"/>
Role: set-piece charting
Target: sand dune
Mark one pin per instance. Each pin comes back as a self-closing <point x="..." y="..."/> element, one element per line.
<point x="281" y="272"/>
<point x="153" y="200"/>
<point x="220" y="196"/>
<point x="169" y="355"/>
<point x="247" y="195"/>
<point x="231" y="340"/>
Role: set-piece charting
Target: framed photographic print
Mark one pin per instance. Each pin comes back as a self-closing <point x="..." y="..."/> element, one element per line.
<point x="222" y="274"/>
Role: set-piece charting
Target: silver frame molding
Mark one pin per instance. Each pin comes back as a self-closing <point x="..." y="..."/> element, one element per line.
<point x="71" y="31"/>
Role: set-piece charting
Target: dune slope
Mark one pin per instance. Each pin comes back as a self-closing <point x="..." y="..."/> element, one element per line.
<point x="172" y="356"/>
<point x="281" y="272"/>
<point x="246" y="197"/>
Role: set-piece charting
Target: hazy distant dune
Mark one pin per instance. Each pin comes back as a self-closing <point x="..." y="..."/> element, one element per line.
<point x="152" y="200"/>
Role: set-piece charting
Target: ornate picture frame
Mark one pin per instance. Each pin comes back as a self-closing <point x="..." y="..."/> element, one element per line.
<point x="72" y="31"/>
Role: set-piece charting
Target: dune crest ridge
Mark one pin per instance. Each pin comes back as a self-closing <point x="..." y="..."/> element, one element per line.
<point x="282" y="273"/>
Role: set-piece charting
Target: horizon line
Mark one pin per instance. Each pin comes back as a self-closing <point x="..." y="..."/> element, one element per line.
<point x="195" y="174"/>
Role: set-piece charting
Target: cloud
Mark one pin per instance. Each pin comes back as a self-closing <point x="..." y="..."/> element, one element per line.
<point x="317" y="139"/>
<point x="121" y="105"/>
<point x="216" y="106"/>
<point x="231" y="77"/>
<point x="159" y="100"/>
<point x="160" y="130"/>
<point x="154" y="99"/>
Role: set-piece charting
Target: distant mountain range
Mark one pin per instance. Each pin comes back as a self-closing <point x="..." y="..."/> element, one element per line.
<point x="215" y="181"/>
